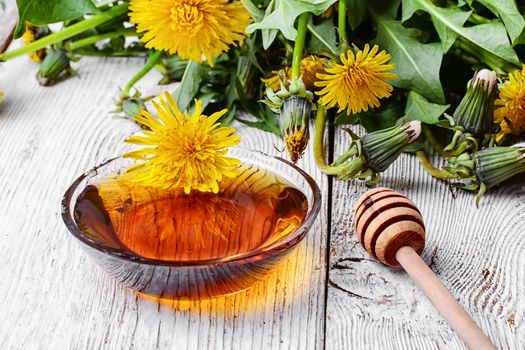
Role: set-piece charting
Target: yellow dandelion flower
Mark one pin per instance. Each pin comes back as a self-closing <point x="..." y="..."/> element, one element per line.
<point x="510" y="112"/>
<point x="32" y="34"/>
<point x="310" y="67"/>
<point x="274" y="82"/>
<point x="182" y="151"/>
<point x="1" y="97"/>
<point x="359" y="82"/>
<point x="190" y="28"/>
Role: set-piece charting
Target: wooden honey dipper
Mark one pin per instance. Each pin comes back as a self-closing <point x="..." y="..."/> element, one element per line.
<point x="391" y="229"/>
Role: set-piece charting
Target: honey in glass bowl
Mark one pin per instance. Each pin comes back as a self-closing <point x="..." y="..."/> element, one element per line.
<point x="169" y="244"/>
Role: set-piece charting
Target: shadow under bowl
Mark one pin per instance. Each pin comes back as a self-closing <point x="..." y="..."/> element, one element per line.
<point x="199" y="278"/>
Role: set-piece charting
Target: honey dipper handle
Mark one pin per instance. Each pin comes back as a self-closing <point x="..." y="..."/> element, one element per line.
<point x="444" y="302"/>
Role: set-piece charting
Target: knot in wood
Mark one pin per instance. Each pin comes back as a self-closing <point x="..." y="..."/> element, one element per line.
<point x="385" y="221"/>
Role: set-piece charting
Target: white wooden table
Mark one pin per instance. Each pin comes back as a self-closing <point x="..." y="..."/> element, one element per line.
<point x="329" y="294"/>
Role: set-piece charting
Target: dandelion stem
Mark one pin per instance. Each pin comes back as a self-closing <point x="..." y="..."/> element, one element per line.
<point x="341" y="26"/>
<point x="68" y="32"/>
<point x="431" y="169"/>
<point x="152" y="61"/>
<point x="96" y="38"/>
<point x="354" y="167"/>
<point x="478" y="19"/>
<point x="465" y="57"/>
<point x="286" y="43"/>
<point x="320" y="121"/>
<point x="299" y="46"/>
<point x="352" y="151"/>
<point x="129" y="52"/>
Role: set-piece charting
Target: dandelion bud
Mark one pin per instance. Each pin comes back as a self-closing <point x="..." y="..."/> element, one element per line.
<point x="476" y="110"/>
<point x="496" y="164"/>
<point x="381" y="148"/>
<point x="54" y="68"/>
<point x="294" y="120"/>
<point x="133" y="106"/>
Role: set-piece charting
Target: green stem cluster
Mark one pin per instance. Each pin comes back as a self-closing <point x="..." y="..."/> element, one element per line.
<point x="68" y="32"/>
<point x="440" y="174"/>
<point x="71" y="46"/>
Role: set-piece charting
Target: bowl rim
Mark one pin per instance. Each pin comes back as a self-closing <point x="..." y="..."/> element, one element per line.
<point x="293" y="239"/>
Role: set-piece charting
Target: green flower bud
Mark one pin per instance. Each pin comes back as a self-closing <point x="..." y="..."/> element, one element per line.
<point x="496" y="164"/>
<point x="381" y="148"/>
<point x="133" y="106"/>
<point x="129" y="106"/>
<point x="54" y="68"/>
<point x="293" y="123"/>
<point x="476" y="110"/>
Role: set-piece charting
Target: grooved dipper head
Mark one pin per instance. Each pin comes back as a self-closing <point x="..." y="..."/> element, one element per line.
<point x="385" y="221"/>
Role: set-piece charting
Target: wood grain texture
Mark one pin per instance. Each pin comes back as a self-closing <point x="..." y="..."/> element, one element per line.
<point x="477" y="253"/>
<point x="54" y="297"/>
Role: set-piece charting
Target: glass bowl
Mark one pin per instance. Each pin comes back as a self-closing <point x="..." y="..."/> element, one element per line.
<point x="195" y="278"/>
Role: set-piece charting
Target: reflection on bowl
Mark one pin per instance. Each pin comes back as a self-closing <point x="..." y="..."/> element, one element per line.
<point x="171" y="245"/>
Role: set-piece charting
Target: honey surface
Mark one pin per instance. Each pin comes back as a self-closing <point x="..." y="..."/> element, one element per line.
<point x="251" y="211"/>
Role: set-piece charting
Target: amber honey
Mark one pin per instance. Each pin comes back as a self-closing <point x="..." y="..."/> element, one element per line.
<point x="250" y="213"/>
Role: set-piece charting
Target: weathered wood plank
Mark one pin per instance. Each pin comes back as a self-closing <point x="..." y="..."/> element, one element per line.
<point x="478" y="254"/>
<point x="53" y="296"/>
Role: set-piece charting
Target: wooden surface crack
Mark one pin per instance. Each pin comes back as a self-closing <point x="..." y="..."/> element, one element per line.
<point x="352" y="294"/>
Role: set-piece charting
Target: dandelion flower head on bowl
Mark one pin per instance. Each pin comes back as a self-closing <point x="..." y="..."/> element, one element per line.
<point x="191" y="29"/>
<point x="359" y="82"/>
<point x="182" y="151"/>
<point x="510" y="112"/>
